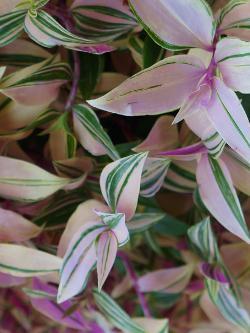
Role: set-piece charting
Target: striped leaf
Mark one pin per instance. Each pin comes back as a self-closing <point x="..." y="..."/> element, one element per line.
<point x="171" y="280"/>
<point x="21" y="53"/>
<point x="153" y="176"/>
<point x="79" y="260"/>
<point x="228" y="306"/>
<point x="239" y="170"/>
<point x="91" y="134"/>
<point x="103" y="20"/>
<point x="37" y="84"/>
<point x="183" y="19"/>
<point x="143" y="221"/>
<point x="161" y="88"/>
<point x="22" y="261"/>
<point x="235" y="19"/>
<point x="117" y="224"/>
<point x="114" y="313"/>
<point x="229" y="118"/>
<point x="106" y="253"/>
<point x="84" y="212"/>
<point x="11" y="26"/>
<point x="200" y="124"/>
<point x="21" y="180"/>
<point x="202" y="236"/>
<point x="120" y="183"/>
<point x="219" y="196"/>
<point x="181" y="177"/>
<point x="46" y="31"/>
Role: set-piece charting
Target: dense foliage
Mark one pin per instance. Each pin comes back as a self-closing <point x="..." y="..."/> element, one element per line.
<point x="124" y="166"/>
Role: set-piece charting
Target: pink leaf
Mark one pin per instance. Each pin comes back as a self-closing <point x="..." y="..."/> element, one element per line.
<point x="162" y="137"/>
<point x="15" y="228"/>
<point x="229" y="118"/>
<point x="106" y="253"/>
<point x="177" y="24"/>
<point x="219" y="196"/>
<point x="82" y="215"/>
<point x="120" y="183"/>
<point x="162" y="88"/>
<point x="233" y="58"/>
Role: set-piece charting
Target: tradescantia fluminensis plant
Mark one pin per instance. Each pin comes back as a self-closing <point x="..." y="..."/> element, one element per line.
<point x="111" y="221"/>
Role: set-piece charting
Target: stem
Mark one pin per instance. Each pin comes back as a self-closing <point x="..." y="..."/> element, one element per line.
<point x="127" y="263"/>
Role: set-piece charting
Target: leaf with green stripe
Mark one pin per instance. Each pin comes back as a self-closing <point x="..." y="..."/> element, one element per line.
<point x="228" y="306"/>
<point x="202" y="236"/>
<point x="143" y="221"/>
<point x="11" y="26"/>
<point x="24" y="181"/>
<point x="219" y="196"/>
<point x="114" y="313"/>
<point x="91" y="134"/>
<point x="38" y="84"/>
<point x="100" y="21"/>
<point x="183" y="17"/>
<point x="229" y="118"/>
<point x="234" y="19"/>
<point x="107" y="246"/>
<point x="46" y="31"/>
<point x="153" y="176"/>
<point x="120" y="183"/>
<point x="181" y="177"/>
<point x="22" y="261"/>
<point x="79" y="260"/>
<point x="233" y="58"/>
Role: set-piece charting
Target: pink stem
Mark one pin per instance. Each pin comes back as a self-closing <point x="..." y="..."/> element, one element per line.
<point x="127" y="263"/>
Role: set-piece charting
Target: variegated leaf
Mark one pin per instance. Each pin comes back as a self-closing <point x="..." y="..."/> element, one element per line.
<point x="202" y="236"/>
<point x="239" y="170"/>
<point x="46" y="31"/>
<point x="235" y="19"/>
<point x="11" y="26"/>
<point x="24" y="181"/>
<point x="120" y="183"/>
<point x="219" y="196"/>
<point x="106" y="253"/>
<point x="103" y="20"/>
<point x="181" y="177"/>
<point x="114" y="313"/>
<point x="143" y="221"/>
<point x="161" y="88"/>
<point x="79" y="260"/>
<point x="22" y="53"/>
<point x="153" y="176"/>
<point x="228" y="306"/>
<point x="91" y="134"/>
<point x="116" y="223"/>
<point x="37" y="84"/>
<point x="190" y="23"/>
<point x="22" y="261"/>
